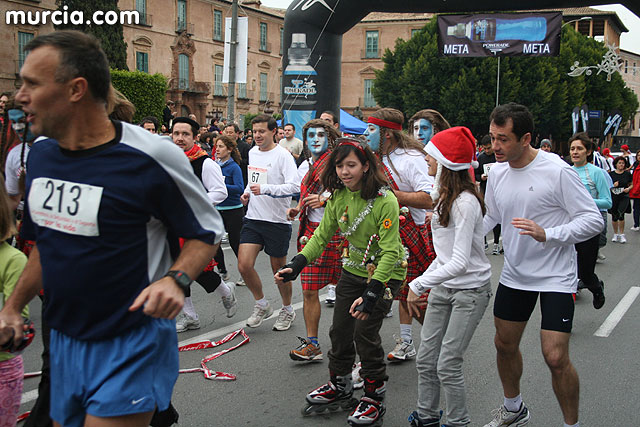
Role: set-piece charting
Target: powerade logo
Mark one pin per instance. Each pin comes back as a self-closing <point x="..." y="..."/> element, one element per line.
<point x="301" y="87"/>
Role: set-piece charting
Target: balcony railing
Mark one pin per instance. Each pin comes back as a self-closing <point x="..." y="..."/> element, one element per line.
<point x="219" y="89"/>
<point x="189" y="86"/>
<point x="184" y="26"/>
<point x="367" y="102"/>
<point x="145" y="19"/>
<point x="245" y="95"/>
<point x="267" y="96"/>
<point x="370" y="53"/>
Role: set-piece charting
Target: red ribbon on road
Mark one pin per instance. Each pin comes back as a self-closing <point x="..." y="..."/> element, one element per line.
<point x="208" y="373"/>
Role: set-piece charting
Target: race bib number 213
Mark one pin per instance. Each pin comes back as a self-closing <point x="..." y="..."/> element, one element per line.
<point x="65" y="206"/>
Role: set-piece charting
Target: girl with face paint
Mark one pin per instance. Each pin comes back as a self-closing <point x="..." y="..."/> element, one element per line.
<point x="402" y="159"/>
<point x="319" y="139"/>
<point x="426" y="123"/>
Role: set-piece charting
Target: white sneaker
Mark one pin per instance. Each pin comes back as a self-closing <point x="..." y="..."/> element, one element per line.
<point x="622" y="239"/>
<point x="285" y="319"/>
<point x="615" y="238"/>
<point x="635" y="228"/>
<point x="241" y="283"/>
<point x="230" y="303"/>
<point x="601" y="256"/>
<point x="402" y="351"/>
<point x="331" y="296"/>
<point x="185" y="322"/>
<point x="496" y="249"/>
<point x="502" y="417"/>
<point x="389" y="313"/>
<point x="258" y="315"/>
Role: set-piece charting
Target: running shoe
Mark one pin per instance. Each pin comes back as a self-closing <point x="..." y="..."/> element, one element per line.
<point x="258" y="315"/>
<point x="503" y="418"/>
<point x="601" y="256"/>
<point x="598" y="297"/>
<point x="331" y="296"/>
<point x="230" y="303"/>
<point x="621" y="238"/>
<point x="635" y="228"/>
<point x="306" y="351"/>
<point x="402" y="351"/>
<point x="389" y="313"/>
<point x="241" y="283"/>
<point x="224" y="276"/>
<point x="184" y="322"/>
<point x="225" y="239"/>
<point x="285" y="319"/>
<point x="486" y="246"/>
<point x="496" y="249"/>
<point x="615" y="238"/>
<point x="416" y="421"/>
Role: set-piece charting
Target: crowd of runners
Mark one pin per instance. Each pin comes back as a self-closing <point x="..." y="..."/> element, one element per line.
<point x="116" y="227"/>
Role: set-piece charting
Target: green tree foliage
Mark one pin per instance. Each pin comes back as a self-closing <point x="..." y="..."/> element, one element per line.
<point x="464" y="89"/>
<point x="145" y="91"/>
<point x="111" y="36"/>
<point x="247" y="120"/>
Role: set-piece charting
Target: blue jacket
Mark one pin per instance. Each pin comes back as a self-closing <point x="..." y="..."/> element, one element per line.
<point x="235" y="185"/>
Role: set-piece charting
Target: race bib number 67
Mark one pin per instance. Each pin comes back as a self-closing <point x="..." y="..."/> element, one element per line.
<point x="65" y="206"/>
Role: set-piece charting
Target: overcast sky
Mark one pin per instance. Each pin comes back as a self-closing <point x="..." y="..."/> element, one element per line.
<point x="630" y="41"/>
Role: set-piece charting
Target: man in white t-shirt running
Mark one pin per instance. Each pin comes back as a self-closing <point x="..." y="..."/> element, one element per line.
<point x="544" y="210"/>
<point x="272" y="181"/>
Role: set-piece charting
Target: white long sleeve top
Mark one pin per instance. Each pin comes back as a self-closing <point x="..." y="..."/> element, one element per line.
<point x="461" y="262"/>
<point x="549" y="192"/>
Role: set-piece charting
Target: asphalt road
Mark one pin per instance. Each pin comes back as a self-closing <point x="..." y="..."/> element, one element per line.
<point x="270" y="388"/>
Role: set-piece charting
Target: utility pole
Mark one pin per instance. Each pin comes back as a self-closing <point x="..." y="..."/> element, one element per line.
<point x="231" y="96"/>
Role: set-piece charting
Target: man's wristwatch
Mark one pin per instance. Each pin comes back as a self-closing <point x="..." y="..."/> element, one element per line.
<point x="182" y="279"/>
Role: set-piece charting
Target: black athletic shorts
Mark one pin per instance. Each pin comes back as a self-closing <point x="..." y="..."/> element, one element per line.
<point x="273" y="237"/>
<point x="517" y="305"/>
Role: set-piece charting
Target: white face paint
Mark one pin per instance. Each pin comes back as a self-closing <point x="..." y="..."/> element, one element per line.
<point x="317" y="141"/>
<point x="422" y="130"/>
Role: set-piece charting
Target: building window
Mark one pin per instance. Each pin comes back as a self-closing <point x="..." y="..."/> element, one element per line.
<point x="217" y="25"/>
<point x="281" y="41"/>
<point x="218" y="89"/>
<point x="415" y="31"/>
<point x="183" y="71"/>
<point x="369" y="102"/>
<point x="142" y="62"/>
<point x="263" y="87"/>
<point x="242" y="91"/>
<point x="263" y="36"/>
<point x="182" y="15"/>
<point x="372" y="45"/>
<point x="23" y="39"/>
<point x="141" y="8"/>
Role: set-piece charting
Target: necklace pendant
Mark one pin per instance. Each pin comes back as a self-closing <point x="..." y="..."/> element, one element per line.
<point x="345" y="252"/>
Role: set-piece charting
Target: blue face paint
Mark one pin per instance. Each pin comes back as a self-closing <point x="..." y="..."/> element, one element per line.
<point x="317" y="141"/>
<point x="422" y="130"/>
<point x="372" y="134"/>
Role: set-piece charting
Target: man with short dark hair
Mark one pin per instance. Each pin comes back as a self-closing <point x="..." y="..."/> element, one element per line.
<point x="273" y="180"/>
<point x="279" y="134"/>
<point x="529" y="183"/>
<point x="290" y="142"/>
<point x="331" y="117"/>
<point x="106" y="244"/>
<point x="233" y="131"/>
<point x="150" y="123"/>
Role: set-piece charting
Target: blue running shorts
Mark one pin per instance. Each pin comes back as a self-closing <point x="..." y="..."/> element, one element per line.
<point x="132" y="373"/>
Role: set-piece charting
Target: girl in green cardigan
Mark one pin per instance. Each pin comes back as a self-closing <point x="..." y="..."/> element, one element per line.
<point x="373" y="267"/>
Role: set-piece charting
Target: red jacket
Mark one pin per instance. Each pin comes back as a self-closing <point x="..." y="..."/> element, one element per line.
<point x="635" y="191"/>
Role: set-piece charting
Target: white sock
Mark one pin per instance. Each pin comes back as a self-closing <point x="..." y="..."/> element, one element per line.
<point x="223" y="289"/>
<point x="189" y="309"/>
<point x="572" y="425"/>
<point x="405" y="333"/>
<point x="513" y="404"/>
<point x="289" y="308"/>
<point x="263" y="303"/>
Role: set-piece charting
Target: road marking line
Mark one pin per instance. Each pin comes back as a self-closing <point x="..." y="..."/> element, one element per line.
<point x="33" y="394"/>
<point x="618" y="312"/>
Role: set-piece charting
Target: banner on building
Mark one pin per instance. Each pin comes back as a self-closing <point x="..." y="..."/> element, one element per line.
<point x="500" y="34"/>
<point x="241" y="50"/>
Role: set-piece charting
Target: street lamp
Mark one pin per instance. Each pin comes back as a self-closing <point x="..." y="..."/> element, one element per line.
<point x="584" y="18"/>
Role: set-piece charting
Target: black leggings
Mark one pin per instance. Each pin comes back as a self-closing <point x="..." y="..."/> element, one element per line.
<point x="619" y="208"/>
<point x="232" y="220"/>
<point x="636" y="212"/>
<point x="496" y="233"/>
<point x="587" y="256"/>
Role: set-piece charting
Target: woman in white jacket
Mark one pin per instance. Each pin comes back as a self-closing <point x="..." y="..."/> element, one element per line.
<point x="458" y="279"/>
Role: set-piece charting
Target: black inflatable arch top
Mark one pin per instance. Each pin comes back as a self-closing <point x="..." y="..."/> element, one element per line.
<point x="311" y="84"/>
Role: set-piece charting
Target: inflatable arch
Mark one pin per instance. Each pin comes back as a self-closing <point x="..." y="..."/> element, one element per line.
<point x="313" y="32"/>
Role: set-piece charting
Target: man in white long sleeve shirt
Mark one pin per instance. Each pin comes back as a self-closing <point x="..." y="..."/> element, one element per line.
<point x="272" y="181"/>
<point x="544" y="210"/>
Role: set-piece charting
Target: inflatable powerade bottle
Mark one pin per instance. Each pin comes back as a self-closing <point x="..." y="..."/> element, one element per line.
<point x="299" y="87"/>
